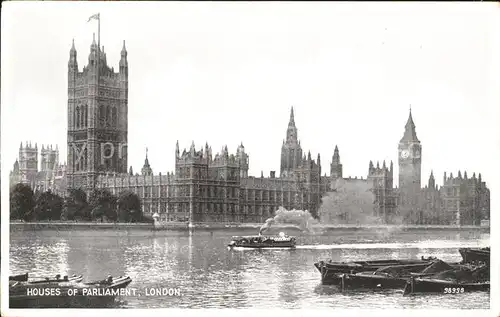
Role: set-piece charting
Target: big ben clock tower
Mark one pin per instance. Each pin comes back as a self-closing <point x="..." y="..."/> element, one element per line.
<point x="410" y="164"/>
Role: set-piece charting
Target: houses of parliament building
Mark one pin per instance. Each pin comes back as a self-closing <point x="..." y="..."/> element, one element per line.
<point x="216" y="187"/>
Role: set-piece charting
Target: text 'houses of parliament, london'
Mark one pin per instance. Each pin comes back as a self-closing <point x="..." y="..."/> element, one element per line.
<point x="217" y="188"/>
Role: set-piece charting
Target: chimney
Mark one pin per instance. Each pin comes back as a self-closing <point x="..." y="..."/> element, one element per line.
<point x="273" y="174"/>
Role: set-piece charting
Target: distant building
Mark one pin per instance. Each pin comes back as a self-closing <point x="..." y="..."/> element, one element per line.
<point x="51" y="175"/>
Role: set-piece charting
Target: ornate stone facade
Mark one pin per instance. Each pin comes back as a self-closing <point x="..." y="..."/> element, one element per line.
<point x="208" y="188"/>
<point x="97" y="118"/>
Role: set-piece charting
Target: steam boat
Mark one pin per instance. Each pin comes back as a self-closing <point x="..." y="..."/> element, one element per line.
<point x="260" y="241"/>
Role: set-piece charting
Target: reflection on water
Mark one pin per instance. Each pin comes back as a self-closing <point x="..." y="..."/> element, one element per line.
<point x="210" y="275"/>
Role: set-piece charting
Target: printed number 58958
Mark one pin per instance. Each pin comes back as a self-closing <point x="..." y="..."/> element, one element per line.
<point x="453" y="290"/>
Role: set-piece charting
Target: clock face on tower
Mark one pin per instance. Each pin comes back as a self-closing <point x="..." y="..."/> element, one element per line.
<point x="405" y="154"/>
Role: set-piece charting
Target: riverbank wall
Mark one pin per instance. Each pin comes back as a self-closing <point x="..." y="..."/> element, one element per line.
<point x="235" y="226"/>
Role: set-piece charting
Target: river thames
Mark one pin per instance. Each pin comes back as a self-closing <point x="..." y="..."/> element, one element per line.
<point x="175" y="269"/>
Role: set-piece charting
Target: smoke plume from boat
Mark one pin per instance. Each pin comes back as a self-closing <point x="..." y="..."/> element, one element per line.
<point x="301" y="218"/>
<point x="266" y="225"/>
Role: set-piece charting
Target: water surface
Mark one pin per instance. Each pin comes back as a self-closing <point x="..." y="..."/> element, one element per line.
<point x="209" y="275"/>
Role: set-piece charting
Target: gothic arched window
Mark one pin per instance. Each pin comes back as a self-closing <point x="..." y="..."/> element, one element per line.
<point x="85" y="164"/>
<point x="75" y="156"/>
<point x="86" y="115"/>
<point x="77" y="118"/>
<point x="108" y="116"/>
<point x="82" y="117"/>
<point x="114" y="117"/>
<point x="102" y="115"/>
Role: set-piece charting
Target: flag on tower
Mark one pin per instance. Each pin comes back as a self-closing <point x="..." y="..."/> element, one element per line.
<point x="95" y="16"/>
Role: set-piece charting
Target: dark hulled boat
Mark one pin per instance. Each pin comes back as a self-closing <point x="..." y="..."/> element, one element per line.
<point x="259" y="242"/>
<point x="370" y="280"/>
<point x="390" y="277"/>
<point x="55" y="294"/>
<point x="432" y="285"/>
<point x="466" y="278"/>
<point x="331" y="271"/>
<point x="57" y="279"/>
<point x="366" y="266"/>
<point x="19" y="277"/>
<point x="471" y="255"/>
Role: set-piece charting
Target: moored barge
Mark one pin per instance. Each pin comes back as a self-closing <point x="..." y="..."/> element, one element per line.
<point x="472" y="255"/>
<point x="66" y="293"/>
<point x="432" y="285"/>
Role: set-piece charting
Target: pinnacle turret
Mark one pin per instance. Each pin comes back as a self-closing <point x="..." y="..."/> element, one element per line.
<point x="146" y="169"/>
<point x="123" y="59"/>
<point x="93" y="46"/>
<point x="124" y="50"/>
<point x="73" y="49"/>
<point x="432" y="181"/>
<point x="72" y="63"/>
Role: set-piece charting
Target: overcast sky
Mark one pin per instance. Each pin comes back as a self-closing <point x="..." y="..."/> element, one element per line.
<point x="229" y="72"/>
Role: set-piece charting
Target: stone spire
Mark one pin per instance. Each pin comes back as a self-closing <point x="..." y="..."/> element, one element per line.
<point x="146" y="169"/>
<point x="410" y="134"/>
<point x="123" y="59"/>
<point x="291" y="133"/>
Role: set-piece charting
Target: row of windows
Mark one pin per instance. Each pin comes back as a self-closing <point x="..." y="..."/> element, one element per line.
<point x="81" y="116"/>
<point x="217" y="192"/>
<point x="218" y="174"/>
<point x="80" y="159"/>
<point x="216" y="208"/>
<point x="456" y="191"/>
<point x="108" y="116"/>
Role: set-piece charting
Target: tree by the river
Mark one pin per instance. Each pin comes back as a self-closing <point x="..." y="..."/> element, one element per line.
<point x="129" y="207"/>
<point x="76" y="206"/>
<point x="48" y="206"/>
<point x="21" y="202"/>
<point x="103" y="204"/>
